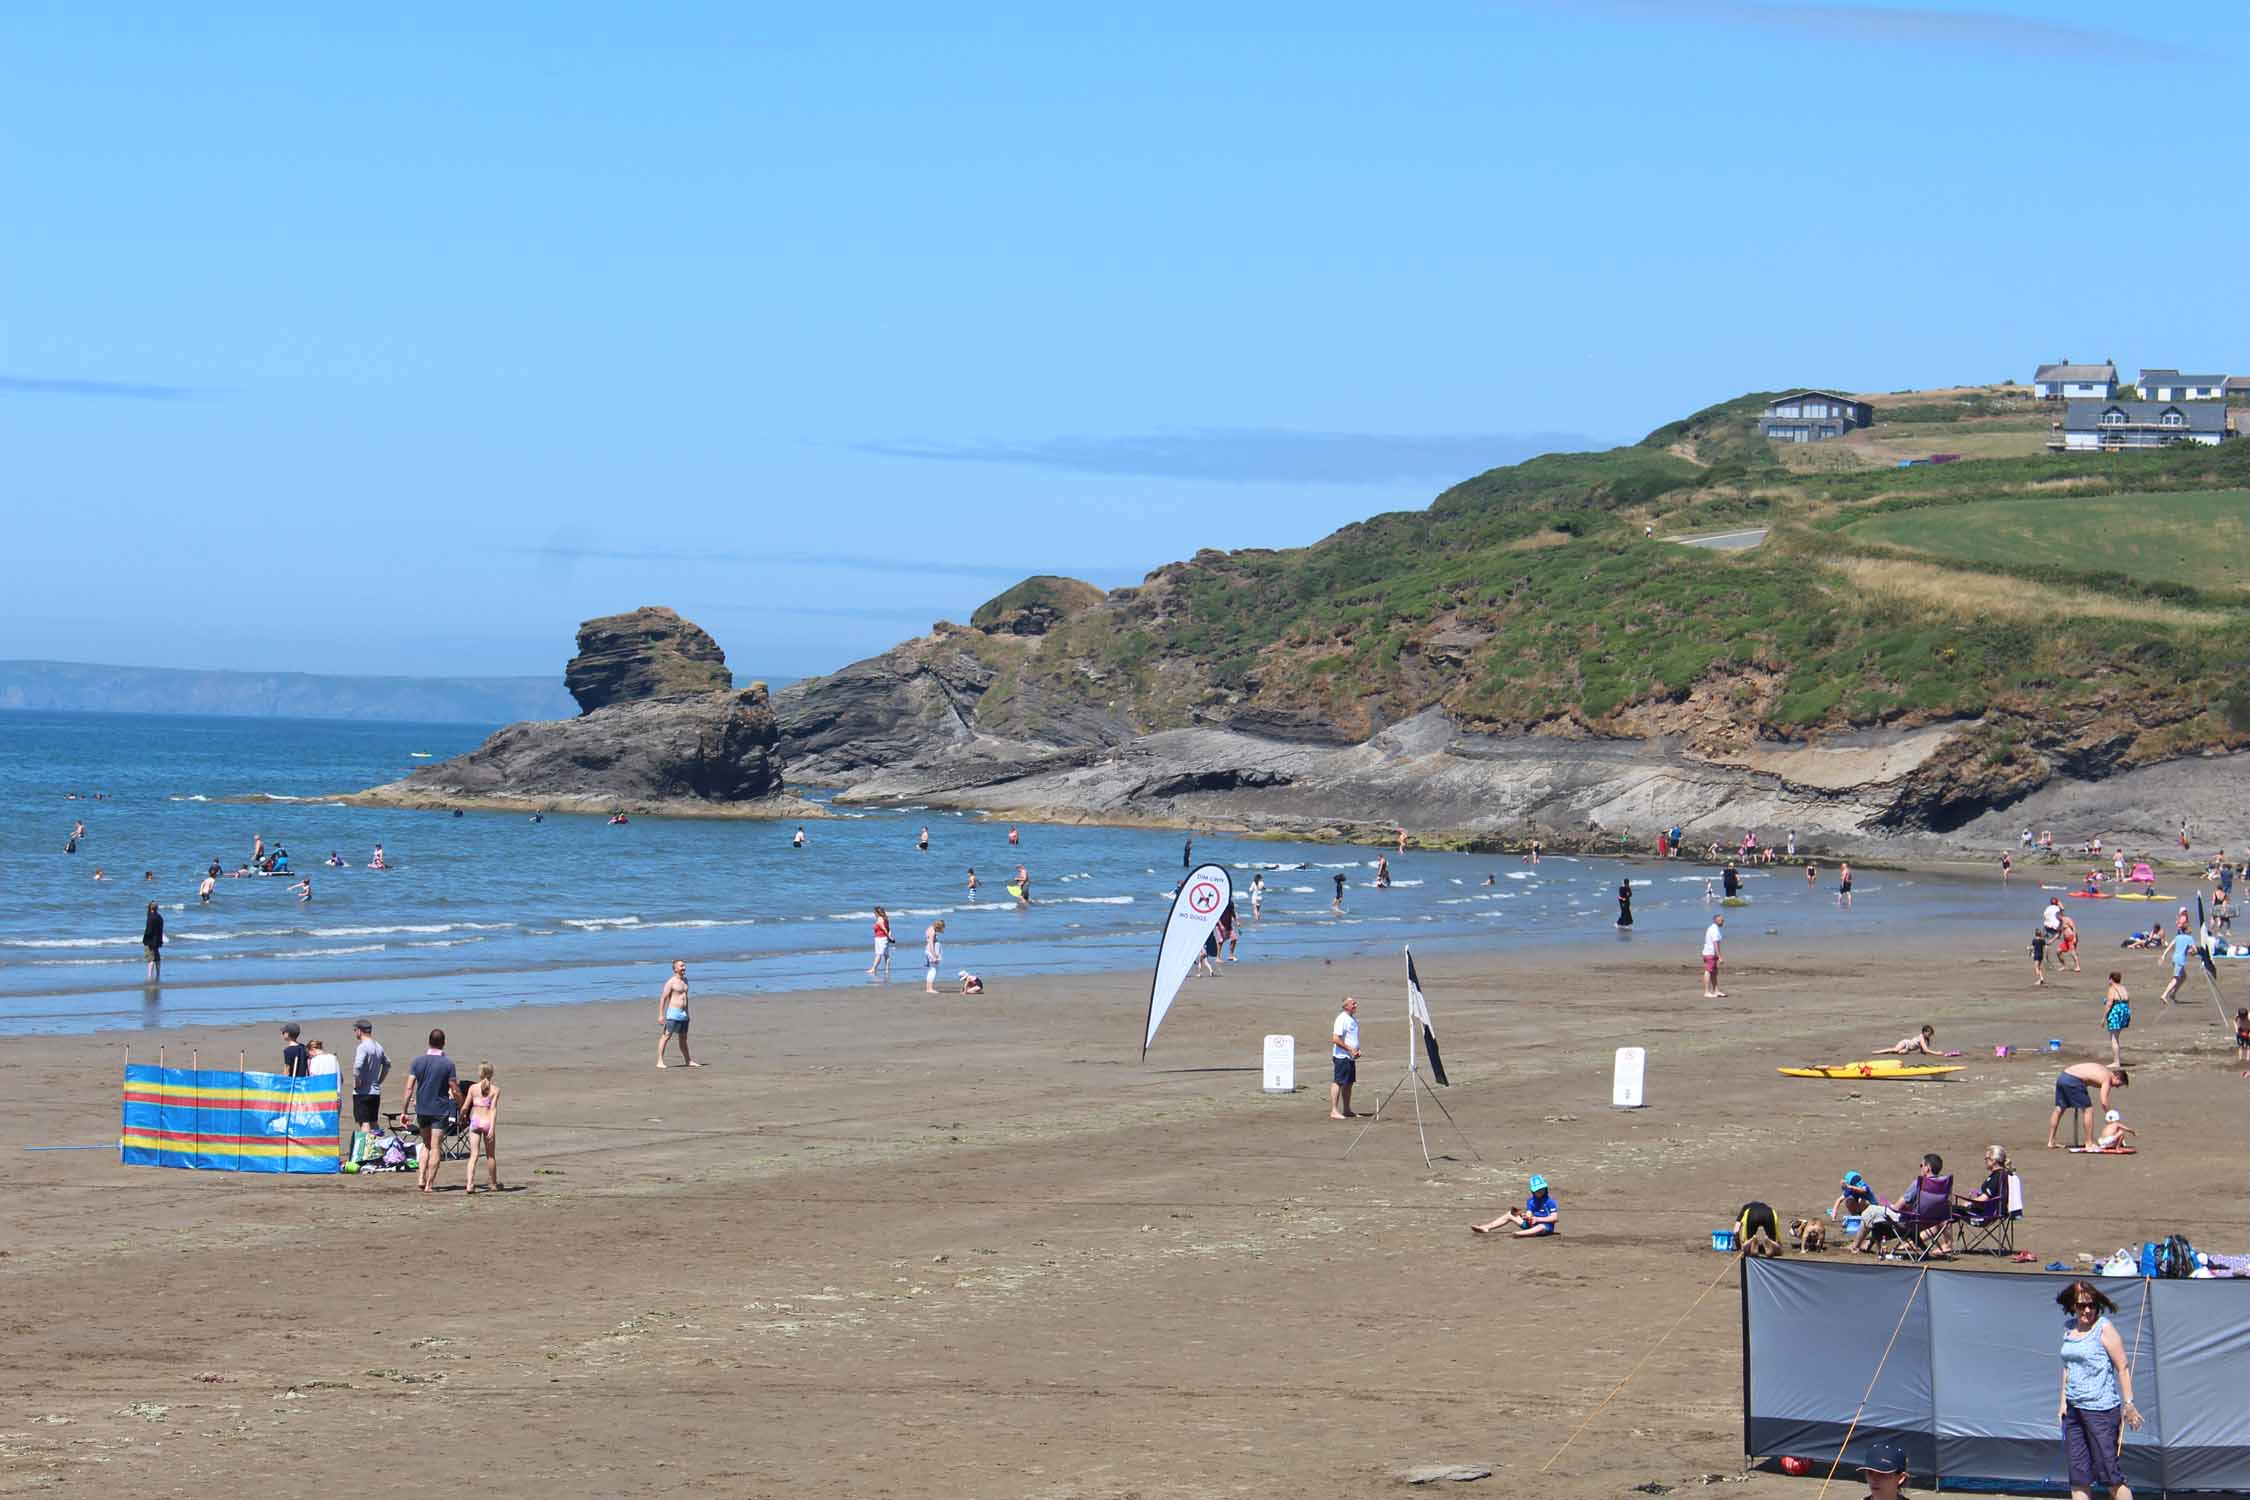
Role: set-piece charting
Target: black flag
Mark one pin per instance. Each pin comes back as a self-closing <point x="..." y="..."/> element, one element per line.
<point x="1419" y="1010"/>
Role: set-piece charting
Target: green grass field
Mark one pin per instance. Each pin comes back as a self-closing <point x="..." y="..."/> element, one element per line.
<point x="2201" y="540"/>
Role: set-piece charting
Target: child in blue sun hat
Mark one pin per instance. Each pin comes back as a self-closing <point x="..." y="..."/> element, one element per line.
<point x="1537" y="1218"/>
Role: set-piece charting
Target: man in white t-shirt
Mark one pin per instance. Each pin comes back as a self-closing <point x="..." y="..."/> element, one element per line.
<point x="2051" y="918"/>
<point x="1343" y="1054"/>
<point x="1711" y="936"/>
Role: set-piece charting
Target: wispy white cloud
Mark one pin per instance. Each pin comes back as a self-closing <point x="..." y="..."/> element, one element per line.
<point x="1913" y="26"/>
<point x="1253" y="455"/>
<point x="101" y="390"/>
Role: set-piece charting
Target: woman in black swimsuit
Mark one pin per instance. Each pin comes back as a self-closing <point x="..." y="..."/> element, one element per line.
<point x="1625" y="902"/>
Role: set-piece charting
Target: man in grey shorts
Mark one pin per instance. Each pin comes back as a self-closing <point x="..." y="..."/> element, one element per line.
<point x="672" y="1014"/>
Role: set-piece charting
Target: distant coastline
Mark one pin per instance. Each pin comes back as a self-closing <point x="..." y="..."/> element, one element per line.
<point x="92" y="687"/>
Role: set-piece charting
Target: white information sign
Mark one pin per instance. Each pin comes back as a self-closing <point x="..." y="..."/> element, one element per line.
<point x="1625" y="1089"/>
<point x="1281" y="1065"/>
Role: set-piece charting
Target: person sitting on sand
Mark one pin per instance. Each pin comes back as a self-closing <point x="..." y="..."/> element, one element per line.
<point x="1857" y="1196"/>
<point x="1919" y="1042"/>
<point x="2114" y="1131"/>
<point x="1537" y="1218"/>
<point x="971" y="984"/>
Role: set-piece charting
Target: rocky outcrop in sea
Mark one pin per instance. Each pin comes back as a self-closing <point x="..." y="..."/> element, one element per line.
<point x="661" y="729"/>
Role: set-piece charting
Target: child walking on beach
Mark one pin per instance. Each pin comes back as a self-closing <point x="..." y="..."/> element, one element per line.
<point x="484" y="1130"/>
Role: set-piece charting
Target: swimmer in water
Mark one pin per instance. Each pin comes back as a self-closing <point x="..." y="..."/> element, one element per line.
<point x="377" y="862"/>
<point x="799" y="841"/>
<point x="923" y="842"/>
<point x="1023" y="886"/>
<point x="1014" y="837"/>
<point x="538" y="817"/>
<point x="148" y="874"/>
<point x="334" y="861"/>
<point x="70" y="846"/>
<point x="79" y="832"/>
<point x="303" y="889"/>
<point x="203" y="891"/>
<point x="99" y="874"/>
<point x="257" y="849"/>
<point x="1488" y="880"/>
<point x="972" y="884"/>
<point x="1258" y="897"/>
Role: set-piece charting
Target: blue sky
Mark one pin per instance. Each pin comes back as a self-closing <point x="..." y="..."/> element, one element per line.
<point x="400" y="341"/>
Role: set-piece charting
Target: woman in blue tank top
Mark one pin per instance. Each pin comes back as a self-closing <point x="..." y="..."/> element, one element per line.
<point x="2097" y="1389"/>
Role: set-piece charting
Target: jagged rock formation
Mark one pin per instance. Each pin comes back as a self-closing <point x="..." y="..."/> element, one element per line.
<point x="647" y="654"/>
<point x="655" y="735"/>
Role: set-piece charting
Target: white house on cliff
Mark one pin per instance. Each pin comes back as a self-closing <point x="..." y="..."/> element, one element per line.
<point x="2061" y="381"/>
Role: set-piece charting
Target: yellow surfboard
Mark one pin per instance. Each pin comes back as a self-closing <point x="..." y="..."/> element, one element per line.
<point x="1875" y="1069"/>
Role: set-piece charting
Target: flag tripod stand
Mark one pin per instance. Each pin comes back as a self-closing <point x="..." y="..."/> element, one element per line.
<point x="1417" y="1025"/>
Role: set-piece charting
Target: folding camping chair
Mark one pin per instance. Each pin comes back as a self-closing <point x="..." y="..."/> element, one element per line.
<point x="1928" y="1219"/>
<point x="1990" y="1229"/>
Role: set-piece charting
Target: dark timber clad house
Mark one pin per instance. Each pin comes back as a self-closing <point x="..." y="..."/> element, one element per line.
<point x="1812" y="416"/>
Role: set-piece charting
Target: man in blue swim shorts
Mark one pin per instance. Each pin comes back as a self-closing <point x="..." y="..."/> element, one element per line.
<point x="2070" y="1093"/>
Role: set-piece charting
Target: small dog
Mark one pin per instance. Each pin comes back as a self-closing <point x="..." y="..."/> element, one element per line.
<point x="1810" y="1235"/>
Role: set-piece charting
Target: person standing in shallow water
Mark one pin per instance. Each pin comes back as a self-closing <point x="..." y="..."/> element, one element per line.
<point x="1625" y="902"/>
<point x="152" y="941"/>
<point x="1187" y="854"/>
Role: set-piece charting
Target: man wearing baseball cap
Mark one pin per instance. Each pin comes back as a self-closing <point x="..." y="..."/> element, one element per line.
<point x="1885" y="1470"/>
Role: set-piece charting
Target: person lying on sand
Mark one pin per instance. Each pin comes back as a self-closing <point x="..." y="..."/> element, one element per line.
<point x="1537" y="1218"/>
<point x="1920" y="1042"/>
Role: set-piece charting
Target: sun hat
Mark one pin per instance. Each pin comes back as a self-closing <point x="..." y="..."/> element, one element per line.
<point x="1884" y="1457"/>
<point x="1538" y="1183"/>
<point x="2113" y="1117"/>
<point x="1853" y="1179"/>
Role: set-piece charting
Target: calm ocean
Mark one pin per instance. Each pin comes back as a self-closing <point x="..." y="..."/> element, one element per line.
<point x="490" y="909"/>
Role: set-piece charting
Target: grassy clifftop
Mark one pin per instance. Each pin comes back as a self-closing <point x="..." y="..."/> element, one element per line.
<point x="2091" y="608"/>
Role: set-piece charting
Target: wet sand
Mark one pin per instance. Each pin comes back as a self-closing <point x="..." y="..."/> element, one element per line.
<point x="891" y="1245"/>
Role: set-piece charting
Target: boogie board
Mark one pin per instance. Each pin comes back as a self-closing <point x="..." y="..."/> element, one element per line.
<point x="2137" y="896"/>
<point x="1735" y="901"/>
<point x="1015" y="890"/>
<point x="2098" y="1151"/>
<point x="1874" y="1069"/>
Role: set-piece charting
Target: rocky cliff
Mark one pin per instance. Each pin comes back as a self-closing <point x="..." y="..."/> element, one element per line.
<point x="1533" y="653"/>
<point x="661" y="731"/>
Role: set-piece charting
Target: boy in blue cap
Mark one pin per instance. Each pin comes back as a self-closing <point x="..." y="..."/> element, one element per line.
<point x="1538" y="1217"/>
<point x="1885" y="1470"/>
<point x="1854" y="1198"/>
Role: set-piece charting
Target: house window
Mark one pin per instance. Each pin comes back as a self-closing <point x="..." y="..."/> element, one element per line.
<point x="2173" y="419"/>
<point x="2113" y="418"/>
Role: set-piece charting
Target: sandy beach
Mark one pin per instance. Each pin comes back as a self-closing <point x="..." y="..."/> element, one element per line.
<point x="891" y="1245"/>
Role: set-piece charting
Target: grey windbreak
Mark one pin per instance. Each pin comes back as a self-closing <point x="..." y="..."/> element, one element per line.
<point x="1970" y="1372"/>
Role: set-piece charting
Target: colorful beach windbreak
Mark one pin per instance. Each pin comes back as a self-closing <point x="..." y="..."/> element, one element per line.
<point x="228" y="1121"/>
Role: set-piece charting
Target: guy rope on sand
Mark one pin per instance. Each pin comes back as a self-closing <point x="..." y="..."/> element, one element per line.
<point x="1732" y="1262"/>
<point x="1869" y="1394"/>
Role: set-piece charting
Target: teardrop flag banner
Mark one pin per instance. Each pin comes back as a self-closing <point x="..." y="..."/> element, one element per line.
<point x="1196" y="906"/>
<point x="1418" y="1014"/>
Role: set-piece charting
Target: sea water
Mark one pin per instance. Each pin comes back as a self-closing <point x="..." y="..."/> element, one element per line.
<point x="491" y="909"/>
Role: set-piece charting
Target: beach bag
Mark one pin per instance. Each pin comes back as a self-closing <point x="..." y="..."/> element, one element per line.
<point x="2175" y="1258"/>
<point x="394" y="1155"/>
<point x="361" y="1150"/>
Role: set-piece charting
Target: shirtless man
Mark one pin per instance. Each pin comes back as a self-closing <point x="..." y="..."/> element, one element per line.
<point x="672" y="1014"/>
<point x="2070" y="1093"/>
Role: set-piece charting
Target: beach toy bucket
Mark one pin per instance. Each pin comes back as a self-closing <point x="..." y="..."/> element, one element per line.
<point x="1722" y="1239"/>
<point x="2054" y="1044"/>
<point x="1851" y="1223"/>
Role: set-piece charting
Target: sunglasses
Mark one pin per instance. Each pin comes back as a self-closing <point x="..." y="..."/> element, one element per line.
<point x="2085" y="1306"/>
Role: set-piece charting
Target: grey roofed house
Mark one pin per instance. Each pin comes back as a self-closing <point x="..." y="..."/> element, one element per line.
<point x="2090" y="425"/>
<point x="2173" y="378"/>
<point x="2074" y="374"/>
<point x="2238" y="387"/>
